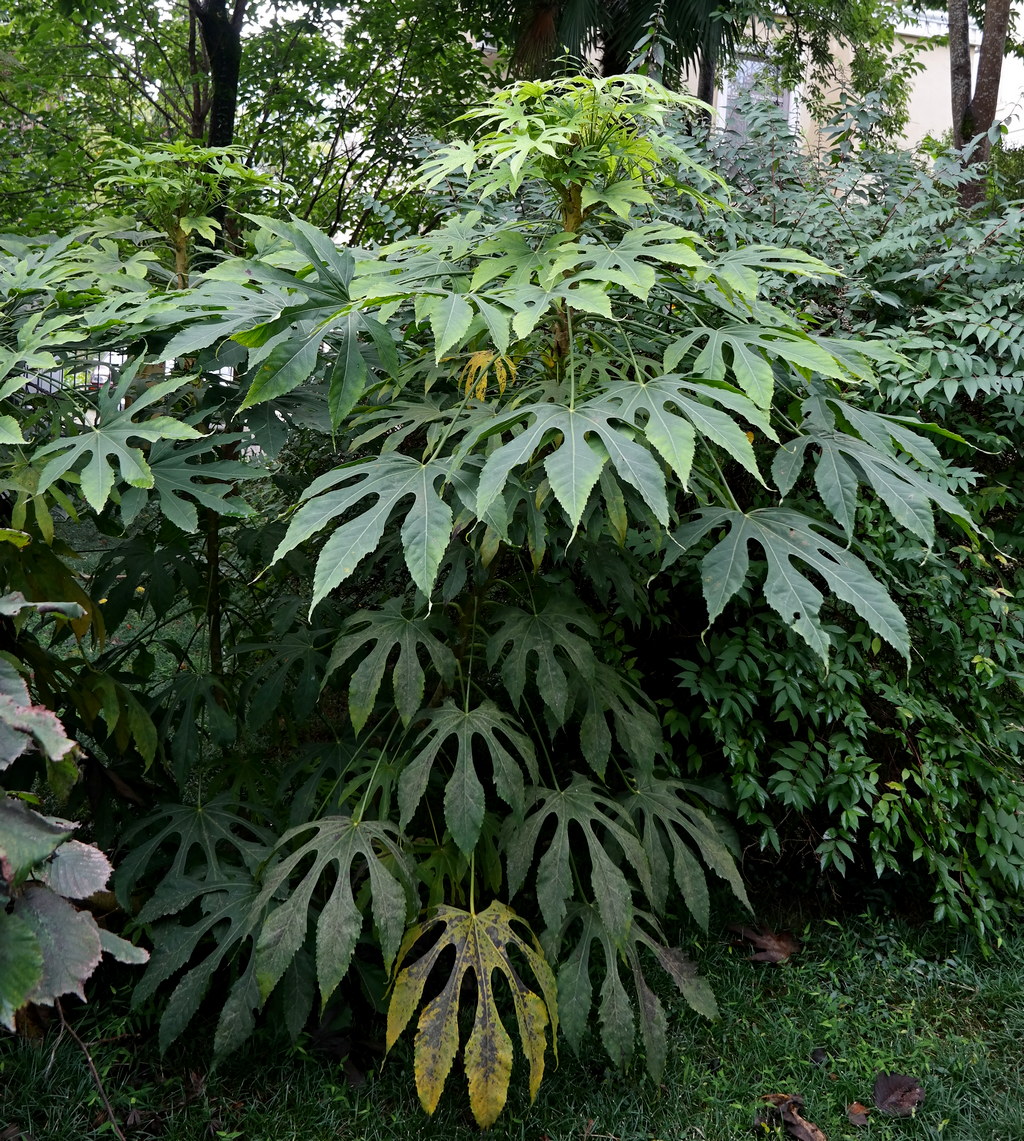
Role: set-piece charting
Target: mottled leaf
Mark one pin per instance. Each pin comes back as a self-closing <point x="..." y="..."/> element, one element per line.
<point x="481" y="942"/>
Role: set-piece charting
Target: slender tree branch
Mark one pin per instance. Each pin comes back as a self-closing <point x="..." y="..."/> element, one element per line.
<point x="111" y="1116"/>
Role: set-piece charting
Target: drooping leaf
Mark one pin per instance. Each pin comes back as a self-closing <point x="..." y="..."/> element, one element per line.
<point x="481" y="942"/>
<point x="587" y="436"/>
<point x="618" y="1013"/>
<point x="787" y="537"/>
<point x="550" y="646"/>
<point x="610" y="843"/>
<point x="385" y="631"/>
<point x="671" y="826"/>
<point x="355" y="848"/>
<point x="390" y="479"/>
<point x="450" y="728"/>
<point x="611" y="695"/>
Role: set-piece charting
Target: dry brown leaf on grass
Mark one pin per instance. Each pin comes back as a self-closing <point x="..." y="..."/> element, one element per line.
<point x="897" y="1095"/>
<point x="857" y="1113"/>
<point x="769" y="946"/>
<point x="788" y="1107"/>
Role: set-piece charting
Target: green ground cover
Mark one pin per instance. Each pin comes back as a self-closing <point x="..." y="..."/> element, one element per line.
<point x="870" y="994"/>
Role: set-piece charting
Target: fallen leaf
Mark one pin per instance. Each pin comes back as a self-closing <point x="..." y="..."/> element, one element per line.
<point x="897" y="1094"/>
<point x="788" y="1106"/>
<point x="857" y="1113"/>
<point x="769" y="947"/>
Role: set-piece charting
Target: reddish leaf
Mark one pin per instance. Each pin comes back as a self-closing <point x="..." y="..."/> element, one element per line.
<point x="788" y="1106"/>
<point x="897" y="1094"/>
<point x="769" y="947"/>
<point x="857" y="1113"/>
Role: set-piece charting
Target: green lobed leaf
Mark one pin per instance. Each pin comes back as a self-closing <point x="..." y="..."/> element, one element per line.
<point x="495" y="735"/>
<point x="788" y="539"/>
<point x="389" y="479"/>
<point x="355" y="848"/>
<point x="385" y="631"/>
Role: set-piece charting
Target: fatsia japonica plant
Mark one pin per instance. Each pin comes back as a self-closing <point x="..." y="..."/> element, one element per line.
<point x="526" y="414"/>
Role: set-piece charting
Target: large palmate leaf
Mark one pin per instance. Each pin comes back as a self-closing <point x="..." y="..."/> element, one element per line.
<point x="453" y="729"/>
<point x="611" y="696"/>
<point x="207" y="840"/>
<point x="751" y="349"/>
<point x="877" y="457"/>
<point x="611" y="843"/>
<point x="229" y="912"/>
<point x="788" y="539"/>
<point x="98" y="447"/>
<point x="481" y="942"/>
<point x="844" y="462"/>
<point x="587" y="435"/>
<point x="389" y="479"/>
<point x="181" y="480"/>
<point x="550" y="645"/>
<point x="671" y="826"/>
<point x="343" y="848"/>
<point x="385" y="631"/>
<point x="615" y="1008"/>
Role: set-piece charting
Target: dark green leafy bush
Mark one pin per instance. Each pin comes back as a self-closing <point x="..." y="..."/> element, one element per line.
<point x="399" y="563"/>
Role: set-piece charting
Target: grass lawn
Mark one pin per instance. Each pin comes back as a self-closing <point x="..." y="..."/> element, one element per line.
<point x="871" y="995"/>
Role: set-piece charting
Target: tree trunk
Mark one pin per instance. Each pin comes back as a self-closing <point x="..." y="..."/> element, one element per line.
<point x="974" y="114"/>
<point x="221" y="28"/>
<point x="706" y="78"/>
<point x="959" y="67"/>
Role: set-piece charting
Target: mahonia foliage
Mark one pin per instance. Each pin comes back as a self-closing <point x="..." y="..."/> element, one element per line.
<point x="523" y="417"/>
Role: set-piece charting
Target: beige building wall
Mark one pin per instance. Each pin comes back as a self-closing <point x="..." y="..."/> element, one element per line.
<point x="929" y="109"/>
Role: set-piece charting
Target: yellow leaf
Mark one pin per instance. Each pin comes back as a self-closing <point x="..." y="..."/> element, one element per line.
<point x="481" y="942"/>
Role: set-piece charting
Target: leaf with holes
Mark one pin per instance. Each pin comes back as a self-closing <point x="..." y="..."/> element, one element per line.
<point x="482" y="943"/>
